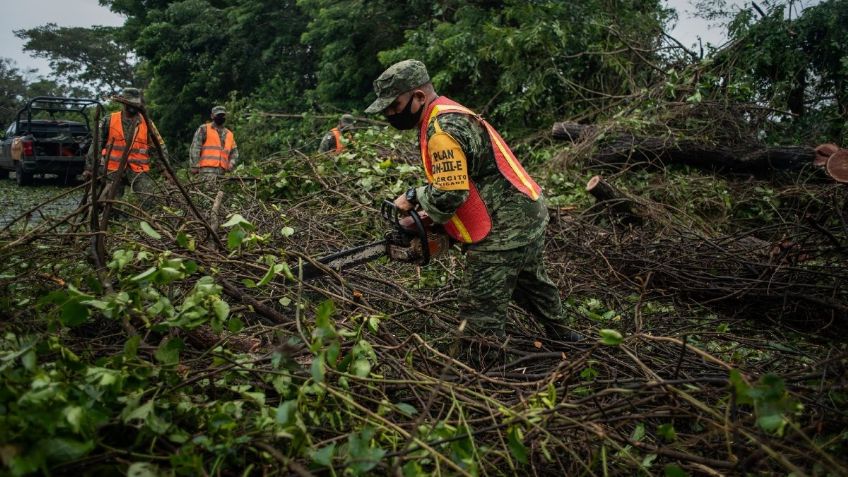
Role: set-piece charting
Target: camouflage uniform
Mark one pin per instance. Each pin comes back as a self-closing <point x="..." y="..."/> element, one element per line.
<point x="212" y="173"/>
<point x="139" y="182"/>
<point x="328" y="143"/>
<point x="210" y="176"/>
<point x="508" y="263"/>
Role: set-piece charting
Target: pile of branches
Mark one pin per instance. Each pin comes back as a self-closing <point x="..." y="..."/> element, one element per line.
<point x="793" y="268"/>
<point x="375" y="377"/>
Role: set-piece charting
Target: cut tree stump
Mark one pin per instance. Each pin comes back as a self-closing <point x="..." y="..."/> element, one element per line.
<point x="823" y="153"/>
<point x="837" y="166"/>
<point x="615" y="202"/>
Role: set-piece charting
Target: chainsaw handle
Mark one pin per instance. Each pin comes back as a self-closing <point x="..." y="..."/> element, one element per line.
<point x="391" y="213"/>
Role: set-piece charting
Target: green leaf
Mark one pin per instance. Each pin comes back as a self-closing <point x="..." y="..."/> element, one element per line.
<point x="638" y="432"/>
<point x="373" y="323"/>
<point x="674" y="470"/>
<point x="131" y="347"/>
<point x="140" y="413"/>
<point x="235" y="325"/>
<point x="284" y="267"/>
<point x="740" y="387"/>
<point x="406" y="409"/>
<point x="286" y="413"/>
<point x="667" y="432"/>
<point x="516" y="446"/>
<point x="74" y="313"/>
<point x="324" y="456"/>
<point x="146" y="228"/>
<point x="771" y="422"/>
<point x="62" y="449"/>
<point x="144" y="275"/>
<point x="318" y="368"/>
<point x="74" y="415"/>
<point x="648" y="461"/>
<point x="325" y="310"/>
<point x="222" y="309"/>
<point x="238" y="220"/>
<point x="182" y="239"/>
<point x="143" y="469"/>
<point x="610" y="337"/>
<point x="286" y="231"/>
<point x="361" y="368"/>
<point x="168" y="352"/>
<point x="269" y="275"/>
<point x="361" y="456"/>
<point x="235" y="238"/>
<point x="29" y="360"/>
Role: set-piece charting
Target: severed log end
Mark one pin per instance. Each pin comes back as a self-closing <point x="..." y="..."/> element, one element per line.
<point x="602" y="190"/>
<point x="610" y="197"/>
<point x="837" y="166"/>
<point x="823" y="153"/>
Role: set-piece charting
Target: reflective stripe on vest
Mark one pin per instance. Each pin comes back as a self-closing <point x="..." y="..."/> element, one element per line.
<point x="212" y="154"/>
<point x="338" y="135"/>
<point x="472" y="223"/>
<point x="139" y="156"/>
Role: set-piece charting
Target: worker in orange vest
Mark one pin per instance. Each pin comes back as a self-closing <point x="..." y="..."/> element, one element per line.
<point x="479" y="192"/>
<point x="335" y="140"/>
<point x="213" y="150"/>
<point x="114" y="137"/>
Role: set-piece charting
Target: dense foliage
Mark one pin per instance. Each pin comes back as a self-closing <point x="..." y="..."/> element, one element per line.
<point x="712" y="326"/>
<point x="92" y="59"/>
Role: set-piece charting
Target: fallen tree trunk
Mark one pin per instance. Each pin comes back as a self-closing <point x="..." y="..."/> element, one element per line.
<point x="621" y="150"/>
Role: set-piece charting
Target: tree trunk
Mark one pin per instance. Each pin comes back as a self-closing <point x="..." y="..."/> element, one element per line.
<point x="625" y="150"/>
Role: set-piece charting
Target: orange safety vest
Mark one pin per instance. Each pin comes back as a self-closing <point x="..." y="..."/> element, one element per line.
<point x="471" y="223"/>
<point x="338" y="135"/>
<point x="212" y="154"/>
<point x="139" y="157"/>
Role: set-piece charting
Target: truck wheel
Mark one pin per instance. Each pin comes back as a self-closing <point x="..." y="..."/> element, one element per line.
<point x="23" y="178"/>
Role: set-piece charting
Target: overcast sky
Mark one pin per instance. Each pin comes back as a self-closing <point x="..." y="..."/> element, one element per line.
<point x="23" y="14"/>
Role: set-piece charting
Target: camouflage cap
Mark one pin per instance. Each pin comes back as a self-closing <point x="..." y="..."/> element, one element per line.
<point x="219" y="110"/>
<point x="396" y="80"/>
<point x="133" y="94"/>
<point x="346" y="122"/>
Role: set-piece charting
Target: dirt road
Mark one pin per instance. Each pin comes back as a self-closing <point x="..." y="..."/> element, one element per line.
<point x="16" y="200"/>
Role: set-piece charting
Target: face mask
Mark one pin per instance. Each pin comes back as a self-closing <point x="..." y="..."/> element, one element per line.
<point x="219" y="120"/>
<point x="131" y="110"/>
<point x="405" y="119"/>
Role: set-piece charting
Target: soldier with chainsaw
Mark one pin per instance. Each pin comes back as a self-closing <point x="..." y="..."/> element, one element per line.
<point x="335" y="140"/>
<point x="478" y="190"/>
<point x="213" y="149"/>
<point x="123" y="130"/>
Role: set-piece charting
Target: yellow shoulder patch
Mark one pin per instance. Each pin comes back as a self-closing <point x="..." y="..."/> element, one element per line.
<point x="449" y="167"/>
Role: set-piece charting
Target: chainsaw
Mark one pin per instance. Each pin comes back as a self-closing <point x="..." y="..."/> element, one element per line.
<point x="412" y="238"/>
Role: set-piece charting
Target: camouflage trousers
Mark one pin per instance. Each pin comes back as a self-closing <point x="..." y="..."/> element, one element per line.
<point x="494" y="278"/>
<point x="209" y="183"/>
<point x="139" y="183"/>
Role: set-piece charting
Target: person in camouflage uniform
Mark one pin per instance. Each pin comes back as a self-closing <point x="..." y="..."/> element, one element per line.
<point x="336" y="138"/>
<point x="210" y="174"/>
<point x="505" y="265"/>
<point x="139" y="182"/>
